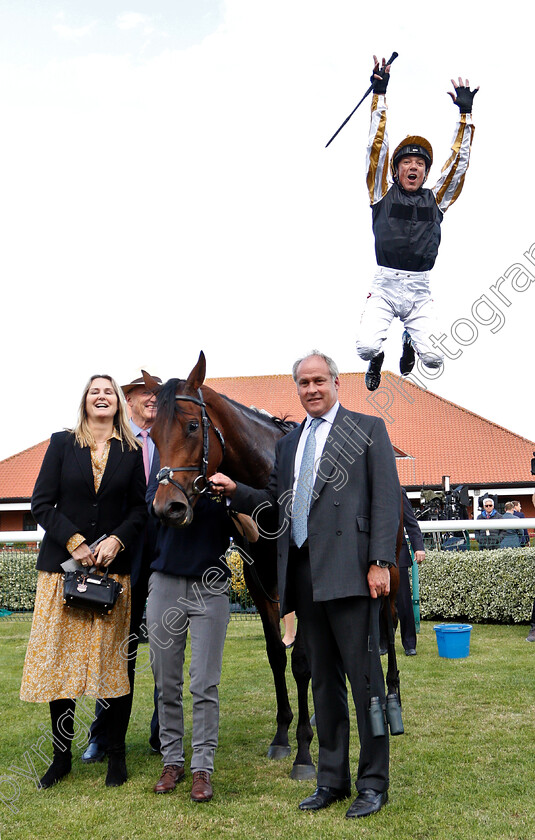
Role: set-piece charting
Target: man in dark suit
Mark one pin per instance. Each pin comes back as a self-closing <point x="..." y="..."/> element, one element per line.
<point x="404" y="598"/>
<point x="488" y="539"/>
<point x="337" y="492"/>
<point x="517" y="511"/>
<point x="142" y="405"/>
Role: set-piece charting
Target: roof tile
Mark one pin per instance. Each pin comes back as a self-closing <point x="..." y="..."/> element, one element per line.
<point x="438" y="437"/>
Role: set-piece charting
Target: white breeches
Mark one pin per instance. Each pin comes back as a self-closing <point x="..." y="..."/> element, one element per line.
<point x="404" y="295"/>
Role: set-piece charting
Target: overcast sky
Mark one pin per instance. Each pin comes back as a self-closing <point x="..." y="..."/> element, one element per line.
<point x="165" y="188"/>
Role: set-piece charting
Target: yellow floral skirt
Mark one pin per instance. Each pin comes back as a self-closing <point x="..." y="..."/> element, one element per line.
<point x="73" y="652"/>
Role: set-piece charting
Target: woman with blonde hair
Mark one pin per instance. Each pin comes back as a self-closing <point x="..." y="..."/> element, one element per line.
<point x="91" y="485"/>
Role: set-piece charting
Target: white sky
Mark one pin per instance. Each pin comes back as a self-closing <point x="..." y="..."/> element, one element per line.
<point x="164" y="188"/>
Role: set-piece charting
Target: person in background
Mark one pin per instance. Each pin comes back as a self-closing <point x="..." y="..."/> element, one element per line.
<point x="411" y="529"/>
<point x="517" y="510"/>
<point x="142" y="407"/>
<point x="511" y="537"/>
<point x="289" y="630"/>
<point x="489" y="538"/>
<point x="91" y="485"/>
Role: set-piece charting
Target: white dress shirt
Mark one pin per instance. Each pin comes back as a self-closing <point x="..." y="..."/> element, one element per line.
<point x="322" y="433"/>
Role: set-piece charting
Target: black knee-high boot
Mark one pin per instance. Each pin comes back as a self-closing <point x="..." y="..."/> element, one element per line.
<point x="62" y="716"/>
<point x="118" y="714"/>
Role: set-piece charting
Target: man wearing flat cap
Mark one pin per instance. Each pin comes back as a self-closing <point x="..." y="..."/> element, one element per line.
<point x="142" y="404"/>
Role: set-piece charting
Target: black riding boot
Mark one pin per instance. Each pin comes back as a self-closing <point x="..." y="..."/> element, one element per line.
<point x="373" y="374"/>
<point x="406" y="362"/>
<point x="118" y="713"/>
<point x="62" y="716"/>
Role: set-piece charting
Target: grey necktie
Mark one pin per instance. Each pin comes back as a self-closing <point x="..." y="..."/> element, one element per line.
<point x="303" y="489"/>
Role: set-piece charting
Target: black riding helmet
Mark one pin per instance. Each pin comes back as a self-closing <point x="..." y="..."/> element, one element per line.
<point x="412" y="145"/>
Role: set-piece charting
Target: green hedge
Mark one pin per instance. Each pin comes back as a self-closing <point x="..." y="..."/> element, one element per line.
<point x="478" y="586"/>
<point x="18" y="579"/>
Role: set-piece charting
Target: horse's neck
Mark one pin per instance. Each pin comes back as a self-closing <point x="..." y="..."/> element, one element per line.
<point x="249" y="444"/>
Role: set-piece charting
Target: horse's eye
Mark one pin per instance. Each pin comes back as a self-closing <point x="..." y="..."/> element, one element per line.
<point x="193" y="426"/>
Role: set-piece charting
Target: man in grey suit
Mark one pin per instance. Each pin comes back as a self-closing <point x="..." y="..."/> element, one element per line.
<point x="337" y="492"/>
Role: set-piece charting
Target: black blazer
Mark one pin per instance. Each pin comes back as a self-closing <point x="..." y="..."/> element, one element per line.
<point x="64" y="501"/>
<point x="355" y="510"/>
<point x="411" y="526"/>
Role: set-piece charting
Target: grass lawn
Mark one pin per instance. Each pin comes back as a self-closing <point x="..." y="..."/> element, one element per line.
<point x="464" y="770"/>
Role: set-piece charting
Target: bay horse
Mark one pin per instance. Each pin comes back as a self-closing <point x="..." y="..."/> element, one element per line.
<point x="200" y="432"/>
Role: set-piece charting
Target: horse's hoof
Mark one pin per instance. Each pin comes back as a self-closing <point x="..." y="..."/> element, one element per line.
<point x="276" y="752"/>
<point x="303" y="772"/>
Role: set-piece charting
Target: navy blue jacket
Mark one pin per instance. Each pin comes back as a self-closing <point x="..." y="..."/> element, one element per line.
<point x="410" y="525"/>
<point x="191" y="551"/>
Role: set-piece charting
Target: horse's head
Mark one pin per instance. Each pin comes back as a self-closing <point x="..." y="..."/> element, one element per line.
<point x="190" y="447"/>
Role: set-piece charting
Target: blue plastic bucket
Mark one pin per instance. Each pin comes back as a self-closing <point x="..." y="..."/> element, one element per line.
<point x="453" y="640"/>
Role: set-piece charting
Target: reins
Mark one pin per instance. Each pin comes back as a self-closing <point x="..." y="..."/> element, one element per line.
<point x="200" y="483"/>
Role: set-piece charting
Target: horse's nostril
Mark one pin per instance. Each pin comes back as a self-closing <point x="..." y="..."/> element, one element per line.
<point x="177" y="515"/>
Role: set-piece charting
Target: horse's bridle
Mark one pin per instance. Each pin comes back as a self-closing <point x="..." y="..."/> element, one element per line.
<point x="165" y="475"/>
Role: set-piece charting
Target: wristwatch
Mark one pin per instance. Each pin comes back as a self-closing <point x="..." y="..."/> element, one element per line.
<point x="381" y="563"/>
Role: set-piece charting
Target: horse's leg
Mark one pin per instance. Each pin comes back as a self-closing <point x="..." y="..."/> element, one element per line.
<point x="303" y="767"/>
<point x="268" y="609"/>
<point x="276" y="653"/>
<point x="392" y="673"/>
<point x="389" y="620"/>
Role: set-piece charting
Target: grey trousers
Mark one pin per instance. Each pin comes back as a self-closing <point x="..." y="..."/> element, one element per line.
<point x="176" y="605"/>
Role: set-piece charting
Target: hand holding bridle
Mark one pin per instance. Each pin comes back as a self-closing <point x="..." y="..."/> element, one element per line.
<point x="222" y="485"/>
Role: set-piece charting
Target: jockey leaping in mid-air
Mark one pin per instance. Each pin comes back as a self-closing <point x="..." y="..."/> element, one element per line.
<point x="406" y="219"/>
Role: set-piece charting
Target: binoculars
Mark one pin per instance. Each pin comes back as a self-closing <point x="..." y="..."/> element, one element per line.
<point x="380" y="716"/>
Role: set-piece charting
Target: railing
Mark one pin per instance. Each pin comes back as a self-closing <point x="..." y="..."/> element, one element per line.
<point x="440" y="527"/>
<point x="476" y="524"/>
<point x="24" y="537"/>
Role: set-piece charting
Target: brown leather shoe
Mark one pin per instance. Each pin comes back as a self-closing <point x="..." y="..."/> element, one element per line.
<point x="201" y="790"/>
<point x="172" y="774"/>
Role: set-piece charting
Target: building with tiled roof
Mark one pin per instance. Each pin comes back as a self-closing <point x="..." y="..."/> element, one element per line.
<point x="17" y="478"/>
<point x="435" y="436"/>
<point x="432" y="437"/>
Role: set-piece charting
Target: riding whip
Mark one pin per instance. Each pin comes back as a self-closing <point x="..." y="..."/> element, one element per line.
<point x="390" y="60"/>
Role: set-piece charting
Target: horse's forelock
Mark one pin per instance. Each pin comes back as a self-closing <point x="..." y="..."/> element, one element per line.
<point x="166" y="398"/>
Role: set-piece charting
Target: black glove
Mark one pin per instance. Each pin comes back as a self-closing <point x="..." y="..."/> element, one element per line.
<point x="464" y="98"/>
<point x="380" y="85"/>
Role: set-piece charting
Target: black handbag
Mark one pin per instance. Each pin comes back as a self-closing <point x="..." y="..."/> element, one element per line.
<point x="91" y="591"/>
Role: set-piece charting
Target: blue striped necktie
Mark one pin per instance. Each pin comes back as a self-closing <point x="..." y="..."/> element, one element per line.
<point x="303" y="489"/>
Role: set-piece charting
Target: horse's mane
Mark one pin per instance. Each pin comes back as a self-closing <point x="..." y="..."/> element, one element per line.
<point x="168" y="406"/>
<point x="263" y="416"/>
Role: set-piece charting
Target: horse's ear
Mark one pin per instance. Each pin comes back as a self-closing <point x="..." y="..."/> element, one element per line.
<point x="150" y="382"/>
<point x="196" y="377"/>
